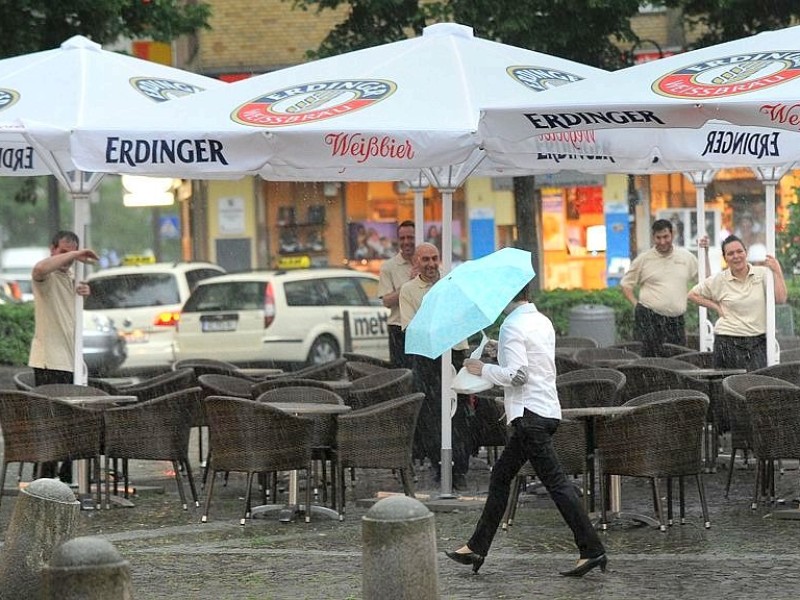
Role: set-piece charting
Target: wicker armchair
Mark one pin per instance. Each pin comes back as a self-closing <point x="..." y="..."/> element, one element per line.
<point x="156" y="429"/>
<point x="569" y="442"/>
<point x="734" y="389"/>
<point x="379" y="387"/>
<point x="788" y="371"/>
<point x="65" y="390"/>
<point x="211" y="366"/>
<point x="774" y="426"/>
<point x="24" y="381"/>
<point x="489" y="424"/>
<point x="252" y="437"/>
<point x="324" y="434"/>
<point x="354" y="356"/>
<point x="379" y="437"/>
<point x="357" y="369"/>
<point x="605" y="357"/>
<point x="565" y="364"/>
<point x="329" y="371"/>
<point x="159" y="385"/>
<point x="281" y="382"/>
<point x="567" y="341"/>
<point x="590" y="387"/>
<point x="643" y="379"/>
<point x="226" y="385"/>
<point x="703" y="360"/>
<point x="790" y="355"/>
<point x="664" y="362"/>
<point x="633" y="346"/>
<point x="659" y="438"/>
<point x="669" y="350"/>
<point x="39" y="429"/>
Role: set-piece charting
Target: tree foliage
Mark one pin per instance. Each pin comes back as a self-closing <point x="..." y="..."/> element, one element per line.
<point x="580" y="30"/>
<point x="725" y="20"/>
<point x="33" y="25"/>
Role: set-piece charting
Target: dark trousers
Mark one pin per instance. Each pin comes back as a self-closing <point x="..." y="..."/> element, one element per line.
<point x="428" y="435"/>
<point x="397" y="348"/>
<point x="531" y="439"/>
<point x="740" y="352"/>
<point x="653" y="330"/>
<point x="46" y="377"/>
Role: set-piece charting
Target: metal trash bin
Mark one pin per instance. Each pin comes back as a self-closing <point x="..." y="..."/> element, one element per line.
<point x="593" y="321"/>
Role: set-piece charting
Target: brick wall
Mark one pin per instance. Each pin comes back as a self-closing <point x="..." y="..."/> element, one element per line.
<point x="255" y="36"/>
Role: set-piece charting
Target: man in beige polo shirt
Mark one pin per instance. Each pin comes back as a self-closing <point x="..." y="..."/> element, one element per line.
<point x="663" y="275"/>
<point x="393" y="274"/>
<point x="52" y="354"/>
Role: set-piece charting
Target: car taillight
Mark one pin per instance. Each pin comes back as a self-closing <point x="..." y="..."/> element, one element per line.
<point x="269" y="306"/>
<point x="167" y="319"/>
<point x="16" y="291"/>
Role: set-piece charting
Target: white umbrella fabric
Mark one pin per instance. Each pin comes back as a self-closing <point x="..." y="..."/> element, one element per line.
<point x="44" y="95"/>
<point x="389" y="112"/>
<point x="753" y="81"/>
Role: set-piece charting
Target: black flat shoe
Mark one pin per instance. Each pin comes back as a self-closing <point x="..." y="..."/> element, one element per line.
<point x="582" y="569"/>
<point x="467" y="558"/>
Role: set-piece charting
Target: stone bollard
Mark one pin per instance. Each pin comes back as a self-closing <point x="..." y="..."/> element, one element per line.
<point x="87" y="568"/>
<point x="399" y="558"/>
<point x="45" y="515"/>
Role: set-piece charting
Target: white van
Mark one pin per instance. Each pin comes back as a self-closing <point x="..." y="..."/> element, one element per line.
<point x="283" y="316"/>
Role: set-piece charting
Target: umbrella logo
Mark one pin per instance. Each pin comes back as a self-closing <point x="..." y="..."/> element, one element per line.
<point x="307" y="103"/>
<point x="730" y="75"/>
<point x="540" y="79"/>
<point x="7" y="98"/>
<point x="161" y="90"/>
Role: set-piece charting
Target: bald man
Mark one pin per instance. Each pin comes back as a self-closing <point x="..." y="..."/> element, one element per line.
<point x="428" y="376"/>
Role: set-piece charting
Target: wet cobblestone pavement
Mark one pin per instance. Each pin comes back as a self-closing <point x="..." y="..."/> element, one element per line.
<point x="746" y="554"/>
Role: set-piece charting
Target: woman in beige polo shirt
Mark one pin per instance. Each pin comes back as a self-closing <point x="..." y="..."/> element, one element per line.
<point x="738" y="295"/>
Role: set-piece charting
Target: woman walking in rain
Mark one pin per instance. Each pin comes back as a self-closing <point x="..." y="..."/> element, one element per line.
<point x="526" y="370"/>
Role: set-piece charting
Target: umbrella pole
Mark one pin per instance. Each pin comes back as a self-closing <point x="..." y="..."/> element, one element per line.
<point x="446" y="366"/>
<point x="701" y="179"/>
<point x="80" y="224"/>
<point x="447" y="420"/>
<point x="770" y="176"/>
<point x="419" y="215"/>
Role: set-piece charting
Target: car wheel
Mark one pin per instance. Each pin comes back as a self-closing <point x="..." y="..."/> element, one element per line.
<point x="323" y="350"/>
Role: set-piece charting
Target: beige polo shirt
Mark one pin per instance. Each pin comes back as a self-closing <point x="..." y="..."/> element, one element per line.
<point x="663" y="280"/>
<point x="53" y="345"/>
<point x="393" y="274"/>
<point x="744" y="302"/>
<point x="410" y="300"/>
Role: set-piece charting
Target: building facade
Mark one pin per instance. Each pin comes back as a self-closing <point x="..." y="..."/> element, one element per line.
<point x="591" y="226"/>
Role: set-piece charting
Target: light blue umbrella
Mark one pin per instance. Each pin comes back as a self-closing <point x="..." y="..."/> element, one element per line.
<point x="466" y="300"/>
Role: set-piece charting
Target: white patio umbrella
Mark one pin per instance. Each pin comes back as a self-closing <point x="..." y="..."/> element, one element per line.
<point x="748" y="82"/>
<point x="44" y="95"/>
<point x="399" y="111"/>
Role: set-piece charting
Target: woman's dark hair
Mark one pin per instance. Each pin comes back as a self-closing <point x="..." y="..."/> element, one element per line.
<point x="729" y="240"/>
<point x="523" y="294"/>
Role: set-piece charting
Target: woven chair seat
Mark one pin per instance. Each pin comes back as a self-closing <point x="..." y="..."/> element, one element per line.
<point x="156" y="429"/>
<point x="590" y="387"/>
<point x="788" y="371"/>
<point x="357" y="369"/>
<point x="379" y="387"/>
<point x="226" y="385"/>
<point x="661" y="437"/>
<point x="40" y="429"/>
<point x="252" y="437"/>
<point x="379" y="437"/>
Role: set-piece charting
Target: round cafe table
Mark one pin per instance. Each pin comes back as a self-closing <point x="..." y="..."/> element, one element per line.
<point x="293" y="508"/>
